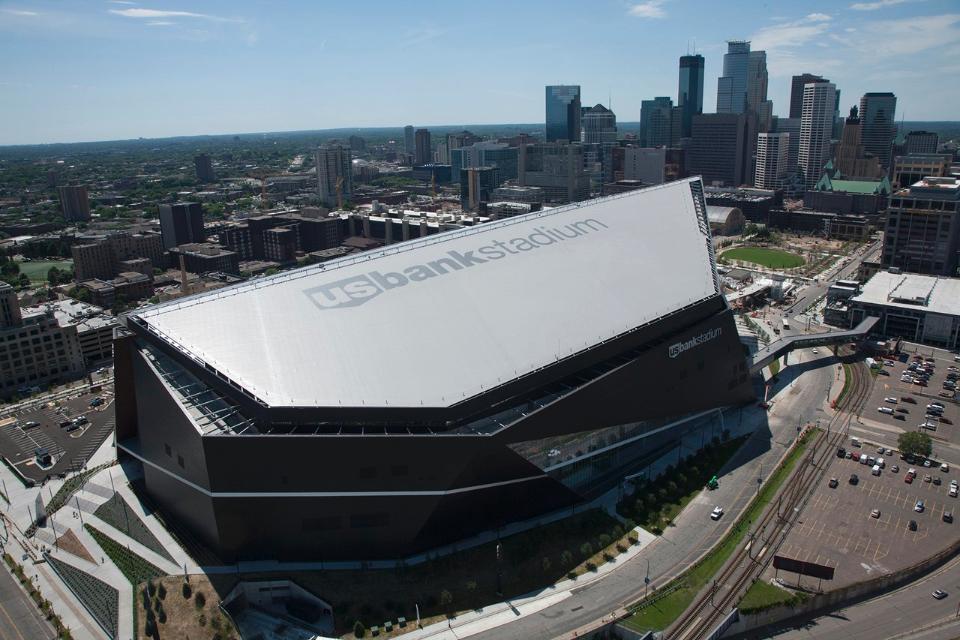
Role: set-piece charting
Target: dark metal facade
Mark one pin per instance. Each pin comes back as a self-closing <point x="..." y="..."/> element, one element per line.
<point x="384" y="492"/>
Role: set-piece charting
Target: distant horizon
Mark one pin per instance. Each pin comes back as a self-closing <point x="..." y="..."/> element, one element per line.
<point x="102" y="70"/>
<point x="438" y="127"/>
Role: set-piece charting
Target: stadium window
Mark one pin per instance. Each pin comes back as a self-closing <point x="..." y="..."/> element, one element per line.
<point x="168" y="450"/>
<point x="180" y="462"/>
<point x="400" y="470"/>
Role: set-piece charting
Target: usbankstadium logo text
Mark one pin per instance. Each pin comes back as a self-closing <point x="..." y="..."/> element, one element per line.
<point x="354" y="291"/>
<point x="679" y="347"/>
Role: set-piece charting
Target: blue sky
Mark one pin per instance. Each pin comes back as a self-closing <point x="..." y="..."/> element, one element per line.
<point x="94" y="70"/>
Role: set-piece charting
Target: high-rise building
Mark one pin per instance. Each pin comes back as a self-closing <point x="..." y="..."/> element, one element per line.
<point x="557" y="167"/>
<point x="598" y="126"/>
<point x="408" y="143"/>
<point x="796" y="92"/>
<point x="923" y="228"/>
<point x="204" y="166"/>
<point x="851" y="159"/>
<point x="816" y="126"/>
<point x="690" y="92"/>
<point x="423" y="152"/>
<point x="772" y="150"/>
<point x="599" y="134"/>
<point x="719" y="148"/>
<point x="477" y="185"/>
<point x="74" y="203"/>
<point x="181" y="223"/>
<point x="334" y="174"/>
<point x="563" y="113"/>
<point x="732" y="85"/>
<point x="655" y="127"/>
<point x="878" y="113"/>
<point x="790" y="126"/>
<point x="646" y="165"/>
<point x="919" y="142"/>
<point x="757" y="79"/>
<point x="485" y="154"/>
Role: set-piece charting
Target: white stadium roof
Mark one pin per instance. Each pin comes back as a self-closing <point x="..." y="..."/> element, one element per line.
<point x="435" y="320"/>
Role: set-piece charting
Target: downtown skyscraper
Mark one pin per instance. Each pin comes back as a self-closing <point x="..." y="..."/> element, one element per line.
<point x="816" y="127"/>
<point x="878" y="114"/>
<point x="690" y="91"/>
<point x="563" y="113"/>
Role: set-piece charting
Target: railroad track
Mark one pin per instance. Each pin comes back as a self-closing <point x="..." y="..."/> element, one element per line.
<point x="750" y="559"/>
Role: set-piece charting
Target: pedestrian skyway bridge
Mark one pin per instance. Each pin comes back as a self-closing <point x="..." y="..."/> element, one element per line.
<point x="778" y="348"/>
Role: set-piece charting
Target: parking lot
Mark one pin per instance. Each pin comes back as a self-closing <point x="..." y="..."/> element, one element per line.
<point x="837" y="528"/>
<point x="904" y="403"/>
<point x="69" y="449"/>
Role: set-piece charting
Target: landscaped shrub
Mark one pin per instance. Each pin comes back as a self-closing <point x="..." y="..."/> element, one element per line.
<point x="359" y="630"/>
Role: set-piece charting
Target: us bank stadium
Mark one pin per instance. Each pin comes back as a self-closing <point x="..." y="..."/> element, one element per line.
<point x="396" y="400"/>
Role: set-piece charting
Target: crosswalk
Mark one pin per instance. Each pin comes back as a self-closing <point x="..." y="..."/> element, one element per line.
<point x="93" y="438"/>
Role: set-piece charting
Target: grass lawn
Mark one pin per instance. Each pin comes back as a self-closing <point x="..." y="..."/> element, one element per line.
<point x="762" y="595"/>
<point x="118" y="514"/>
<point x="37" y="271"/>
<point x="661" y="614"/>
<point x="770" y="258"/>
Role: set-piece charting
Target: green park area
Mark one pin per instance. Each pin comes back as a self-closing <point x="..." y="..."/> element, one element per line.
<point x="37" y="271"/>
<point x="765" y="257"/>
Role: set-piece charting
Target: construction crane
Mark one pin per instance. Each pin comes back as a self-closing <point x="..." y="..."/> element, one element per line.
<point x="262" y="175"/>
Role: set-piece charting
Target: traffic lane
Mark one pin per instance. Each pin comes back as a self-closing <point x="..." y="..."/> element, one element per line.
<point x="901" y="611"/>
<point x="19" y="617"/>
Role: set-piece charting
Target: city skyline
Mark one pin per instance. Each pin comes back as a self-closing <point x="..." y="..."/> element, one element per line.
<point x="90" y="71"/>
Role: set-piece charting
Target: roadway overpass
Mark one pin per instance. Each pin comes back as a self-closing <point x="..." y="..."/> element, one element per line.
<point x="780" y="347"/>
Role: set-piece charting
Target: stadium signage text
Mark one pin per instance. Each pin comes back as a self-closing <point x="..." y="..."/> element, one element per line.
<point x="679" y="347"/>
<point x="354" y="291"/>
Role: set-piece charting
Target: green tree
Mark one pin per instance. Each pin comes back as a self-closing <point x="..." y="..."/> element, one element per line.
<point x="545" y="564"/>
<point x="914" y="443"/>
<point x="586" y="549"/>
<point x="53" y="276"/>
<point x="446" y="598"/>
<point x="359" y="630"/>
<point x="566" y="558"/>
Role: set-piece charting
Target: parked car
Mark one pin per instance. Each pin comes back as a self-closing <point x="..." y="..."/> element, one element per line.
<point x="716" y="513"/>
<point x="854" y="478"/>
<point x="841" y="452"/>
<point x="948" y="517"/>
<point x="912" y="525"/>
<point x="939" y="594"/>
<point x="875" y="513"/>
<point x="919" y="506"/>
<point x="833" y="483"/>
<point x="895" y="468"/>
<point x="944" y="467"/>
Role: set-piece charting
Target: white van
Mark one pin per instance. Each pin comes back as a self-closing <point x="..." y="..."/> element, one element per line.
<point x="886" y="410"/>
<point x="881" y="463"/>
<point x="854" y="442"/>
<point x="863" y="458"/>
<point x="876" y="470"/>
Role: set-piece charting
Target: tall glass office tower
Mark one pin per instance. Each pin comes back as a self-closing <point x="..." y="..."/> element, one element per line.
<point x="690" y="93"/>
<point x="732" y="85"/>
<point x="878" y="113"/>
<point x="563" y="112"/>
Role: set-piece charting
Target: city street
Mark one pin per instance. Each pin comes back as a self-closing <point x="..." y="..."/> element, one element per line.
<point x="910" y="612"/>
<point x="19" y="617"/>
